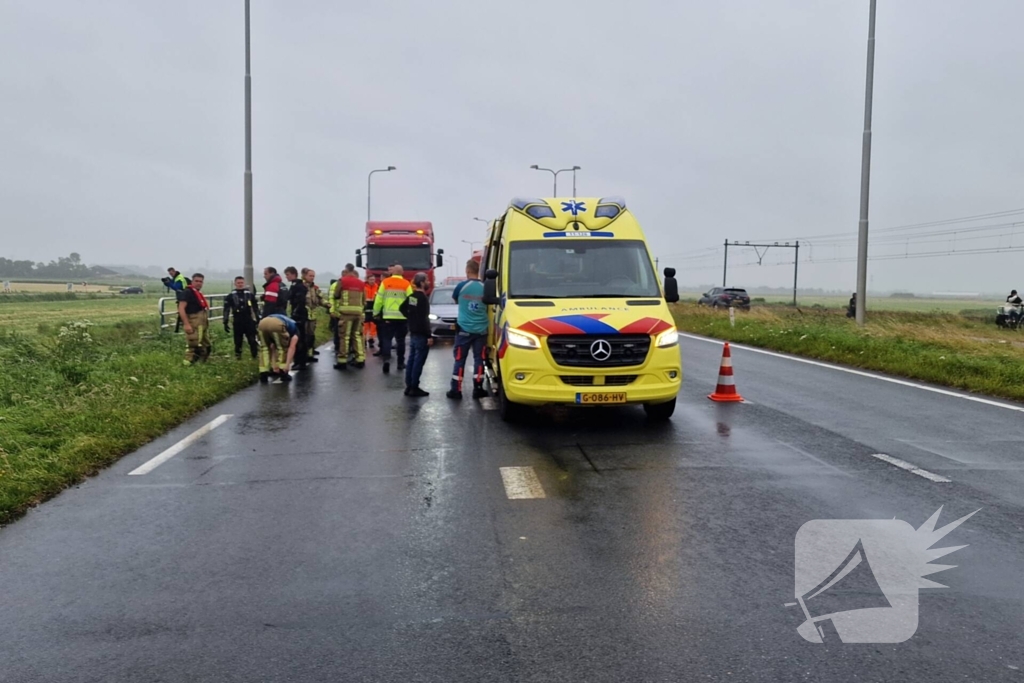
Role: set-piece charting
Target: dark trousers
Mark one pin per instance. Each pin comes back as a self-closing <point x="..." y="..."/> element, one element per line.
<point x="388" y="330"/>
<point x="302" y="348"/>
<point x="336" y="334"/>
<point x="245" y="328"/>
<point x="464" y="343"/>
<point x="418" y="350"/>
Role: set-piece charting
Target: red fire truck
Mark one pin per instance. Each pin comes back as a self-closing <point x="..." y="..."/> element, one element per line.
<point x="406" y="243"/>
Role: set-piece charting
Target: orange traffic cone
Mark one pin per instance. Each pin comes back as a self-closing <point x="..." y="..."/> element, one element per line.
<point x="726" y="389"/>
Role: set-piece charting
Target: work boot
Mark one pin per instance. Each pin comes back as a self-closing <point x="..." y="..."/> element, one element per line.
<point x="401" y="366"/>
<point x="341" y="366"/>
<point x="285" y="377"/>
<point x="313" y="359"/>
<point x="454" y="394"/>
<point x="387" y="367"/>
<point x="264" y="377"/>
<point x="238" y="356"/>
<point x="360" y="365"/>
<point x="376" y="354"/>
<point x="315" y="352"/>
<point x="407" y="390"/>
<point x="416" y="392"/>
<point x="479" y="391"/>
<point x="369" y="342"/>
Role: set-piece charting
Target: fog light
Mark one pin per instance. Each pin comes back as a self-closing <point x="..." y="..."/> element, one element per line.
<point x="672" y="374"/>
<point x="520" y="376"/>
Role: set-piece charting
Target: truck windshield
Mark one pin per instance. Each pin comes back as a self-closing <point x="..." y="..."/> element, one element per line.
<point x="564" y="268"/>
<point x="416" y="257"/>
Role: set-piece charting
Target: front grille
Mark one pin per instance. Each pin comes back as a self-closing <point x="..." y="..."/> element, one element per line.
<point x="619" y="380"/>
<point x="573" y="350"/>
<point x="578" y="380"/>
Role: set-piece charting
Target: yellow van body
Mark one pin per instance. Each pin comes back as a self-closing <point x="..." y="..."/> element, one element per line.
<point x="581" y="318"/>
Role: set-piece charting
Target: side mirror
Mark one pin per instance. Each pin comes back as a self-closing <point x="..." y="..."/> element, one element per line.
<point x="491" y="288"/>
<point x="671" y="288"/>
<point x="359" y="259"/>
<point x="440" y="258"/>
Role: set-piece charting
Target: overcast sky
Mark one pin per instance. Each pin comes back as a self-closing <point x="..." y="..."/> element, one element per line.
<point x="121" y="129"/>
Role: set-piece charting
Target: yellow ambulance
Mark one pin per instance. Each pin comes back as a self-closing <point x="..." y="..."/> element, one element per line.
<point x="578" y="316"/>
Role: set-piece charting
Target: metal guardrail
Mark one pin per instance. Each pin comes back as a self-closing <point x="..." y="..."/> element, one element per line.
<point x="169" y="318"/>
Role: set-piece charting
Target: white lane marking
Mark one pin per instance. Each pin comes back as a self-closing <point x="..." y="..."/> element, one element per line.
<point x="903" y="464"/>
<point x="151" y="465"/>
<point x="893" y="380"/>
<point x="521" y="482"/>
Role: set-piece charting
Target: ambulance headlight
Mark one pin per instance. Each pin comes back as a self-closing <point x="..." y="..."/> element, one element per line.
<point x="522" y="340"/>
<point x="669" y="337"/>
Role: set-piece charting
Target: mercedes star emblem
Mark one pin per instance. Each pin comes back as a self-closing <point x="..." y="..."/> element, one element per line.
<point x="601" y="350"/>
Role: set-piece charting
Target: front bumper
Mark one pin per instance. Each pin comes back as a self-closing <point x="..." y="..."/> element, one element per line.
<point x="442" y="328"/>
<point x="530" y="377"/>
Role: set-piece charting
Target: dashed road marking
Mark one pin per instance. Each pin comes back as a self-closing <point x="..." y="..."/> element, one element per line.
<point x="914" y="469"/>
<point x="521" y="482"/>
<point x="883" y="378"/>
<point x="151" y="465"/>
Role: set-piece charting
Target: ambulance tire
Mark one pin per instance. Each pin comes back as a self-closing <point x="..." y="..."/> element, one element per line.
<point x="509" y="411"/>
<point x="660" y="412"/>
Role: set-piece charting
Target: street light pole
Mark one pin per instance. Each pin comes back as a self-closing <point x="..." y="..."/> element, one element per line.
<point x="865" y="175"/>
<point x="247" y="177"/>
<point x="369" y="177"/>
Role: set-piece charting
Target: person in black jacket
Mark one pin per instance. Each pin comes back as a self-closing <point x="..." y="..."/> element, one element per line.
<point x="241" y="309"/>
<point x="299" y="312"/>
<point x="416" y="309"/>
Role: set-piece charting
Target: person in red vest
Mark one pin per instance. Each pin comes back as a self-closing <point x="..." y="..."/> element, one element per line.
<point x="194" y="313"/>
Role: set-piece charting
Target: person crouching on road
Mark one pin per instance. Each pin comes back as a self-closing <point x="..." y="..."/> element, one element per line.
<point x="241" y="309"/>
<point x="472" y="334"/>
<point x="194" y="314"/>
<point x="416" y="310"/>
<point x="348" y="307"/>
<point x="391" y="324"/>
<point x="279" y="340"/>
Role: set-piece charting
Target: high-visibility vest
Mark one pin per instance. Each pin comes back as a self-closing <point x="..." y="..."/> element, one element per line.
<point x="392" y="292"/>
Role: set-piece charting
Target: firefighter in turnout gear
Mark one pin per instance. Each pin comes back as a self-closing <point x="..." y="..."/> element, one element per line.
<point x="314" y="301"/>
<point x="194" y="313"/>
<point x="279" y="339"/>
<point x="391" y="324"/>
<point x="369" y="329"/>
<point x="241" y="309"/>
<point x="347" y="305"/>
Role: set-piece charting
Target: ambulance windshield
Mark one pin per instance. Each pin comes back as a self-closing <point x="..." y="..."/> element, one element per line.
<point x="567" y="268"/>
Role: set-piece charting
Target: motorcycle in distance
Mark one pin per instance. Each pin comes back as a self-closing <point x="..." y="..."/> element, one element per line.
<point x="1010" y="316"/>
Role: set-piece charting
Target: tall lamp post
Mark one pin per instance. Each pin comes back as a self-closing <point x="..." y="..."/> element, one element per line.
<point x="555" y="173"/>
<point x="247" y="177"/>
<point x="369" y="178"/>
<point x="865" y="176"/>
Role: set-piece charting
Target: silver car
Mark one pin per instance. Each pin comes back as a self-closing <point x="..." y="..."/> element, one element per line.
<point x="444" y="312"/>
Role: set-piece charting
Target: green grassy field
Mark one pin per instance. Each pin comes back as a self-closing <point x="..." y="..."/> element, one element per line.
<point x="952" y="350"/>
<point x="75" y="398"/>
<point x="882" y="303"/>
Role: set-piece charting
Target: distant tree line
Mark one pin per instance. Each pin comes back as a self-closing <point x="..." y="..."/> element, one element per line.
<point x="64" y="268"/>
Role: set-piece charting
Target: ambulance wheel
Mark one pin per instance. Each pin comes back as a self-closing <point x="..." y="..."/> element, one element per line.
<point x="659" y="412"/>
<point x="509" y="410"/>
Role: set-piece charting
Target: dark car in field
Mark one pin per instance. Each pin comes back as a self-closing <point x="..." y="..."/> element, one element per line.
<point x="444" y="312"/>
<point x="724" y="297"/>
<point x="132" y="290"/>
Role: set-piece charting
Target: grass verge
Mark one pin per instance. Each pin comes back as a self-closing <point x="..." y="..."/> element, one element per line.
<point x="949" y="350"/>
<point x="77" y="398"/>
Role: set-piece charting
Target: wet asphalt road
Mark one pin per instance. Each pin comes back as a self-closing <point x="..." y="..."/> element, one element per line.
<point x="333" y="530"/>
